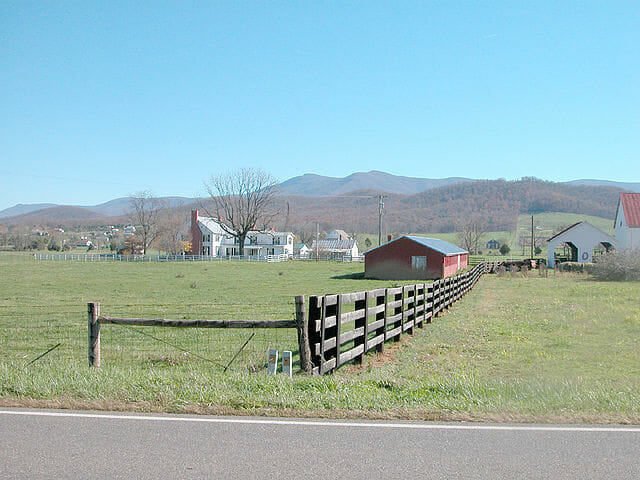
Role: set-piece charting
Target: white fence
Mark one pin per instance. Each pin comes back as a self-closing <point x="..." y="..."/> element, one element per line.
<point x="106" y="257"/>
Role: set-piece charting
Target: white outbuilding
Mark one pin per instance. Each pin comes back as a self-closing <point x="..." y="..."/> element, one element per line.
<point x="582" y="239"/>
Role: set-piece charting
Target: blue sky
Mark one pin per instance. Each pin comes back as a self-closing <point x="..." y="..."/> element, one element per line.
<point x="102" y="99"/>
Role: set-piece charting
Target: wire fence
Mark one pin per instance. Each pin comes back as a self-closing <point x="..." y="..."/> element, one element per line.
<point x="221" y="349"/>
<point x="63" y="329"/>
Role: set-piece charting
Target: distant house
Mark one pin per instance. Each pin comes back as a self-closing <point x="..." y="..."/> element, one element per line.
<point x="493" y="244"/>
<point x="337" y="244"/>
<point x="208" y="236"/>
<point x="582" y="239"/>
<point x="300" y="250"/>
<point x="211" y="239"/>
<point x="627" y="222"/>
<point x="337" y="235"/>
<point x="411" y="257"/>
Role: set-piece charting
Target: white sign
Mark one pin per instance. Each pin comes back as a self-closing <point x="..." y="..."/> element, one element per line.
<point x="286" y="363"/>
<point x="273" y="362"/>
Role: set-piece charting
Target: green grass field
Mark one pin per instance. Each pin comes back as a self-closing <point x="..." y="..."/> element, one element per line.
<point x="561" y="348"/>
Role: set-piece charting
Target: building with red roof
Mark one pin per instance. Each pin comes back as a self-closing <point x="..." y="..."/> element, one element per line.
<point x="627" y="222"/>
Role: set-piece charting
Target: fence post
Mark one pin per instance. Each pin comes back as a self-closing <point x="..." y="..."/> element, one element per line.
<point x="94" y="333"/>
<point x="410" y="307"/>
<point x="303" y="334"/>
<point x="382" y="300"/>
<point x="399" y="311"/>
<point x="315" y="335"/>
<point x="429" y="309"/>
<point x="362" y="323"/>
<point x="338" y="328"/>
<point x="327" y="333"/>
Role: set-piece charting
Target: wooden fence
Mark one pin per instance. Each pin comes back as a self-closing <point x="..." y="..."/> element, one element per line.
<point x="335" y="329"/>
<point x="95" y="320"/>
<point x="343" y="327"/>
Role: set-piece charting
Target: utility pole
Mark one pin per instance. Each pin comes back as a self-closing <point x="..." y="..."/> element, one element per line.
<point x="532" y="237"/>
<point x="380" y="209"/>
<point x="317" y="236"/>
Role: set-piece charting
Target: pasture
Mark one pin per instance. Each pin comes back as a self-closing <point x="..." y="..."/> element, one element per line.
<point x="560" y="348"/>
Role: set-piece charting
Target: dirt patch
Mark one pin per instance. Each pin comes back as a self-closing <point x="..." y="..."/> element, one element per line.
<point x="377" y="360"/>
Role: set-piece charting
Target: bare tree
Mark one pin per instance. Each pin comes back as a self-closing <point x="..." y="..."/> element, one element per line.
<point x="144" y="215"/>
<point x="307" y="233"/>
<point x="469" y="234"/>
<point x="171" y="229"/>
<point x="242" y="200"/>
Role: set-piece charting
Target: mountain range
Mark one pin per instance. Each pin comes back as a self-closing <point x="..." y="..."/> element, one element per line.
<point x="411" y="204"/>
<point x="318" y="185"/>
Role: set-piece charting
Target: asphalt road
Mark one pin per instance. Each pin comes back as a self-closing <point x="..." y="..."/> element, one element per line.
<point x="63" y="444"/>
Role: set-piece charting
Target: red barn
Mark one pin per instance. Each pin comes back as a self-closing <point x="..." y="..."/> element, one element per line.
<point x="417" y="258"/>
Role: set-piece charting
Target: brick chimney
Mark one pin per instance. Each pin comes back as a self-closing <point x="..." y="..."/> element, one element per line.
<point x="196" y="234"/>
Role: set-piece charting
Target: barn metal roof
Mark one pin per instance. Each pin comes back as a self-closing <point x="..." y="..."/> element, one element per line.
<point x="631" y="207"/>
<point x="334" y="245"/>
<point x="436" y="244"/>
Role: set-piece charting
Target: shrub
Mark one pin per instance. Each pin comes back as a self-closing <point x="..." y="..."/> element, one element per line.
<point x="620" y="265"/>
<point x="570" y="267"/>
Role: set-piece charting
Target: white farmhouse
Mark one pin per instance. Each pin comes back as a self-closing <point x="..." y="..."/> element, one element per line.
<point x="211" y="236"/>
<point x="627" y="222"/>
<point x="211" y="239"/>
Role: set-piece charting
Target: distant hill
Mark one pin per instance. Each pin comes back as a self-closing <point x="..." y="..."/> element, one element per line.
<point x="318" y="185"/>
<point x="21" y="209"/>
<point x="57" y="215"/>
<point x="49" y="213"/>
<point x="634" y="187"/>
<point x="120" y="206"/>
<point x="443" y="209"/>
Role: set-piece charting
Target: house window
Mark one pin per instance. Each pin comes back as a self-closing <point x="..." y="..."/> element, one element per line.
<point x="418" y="263"/>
